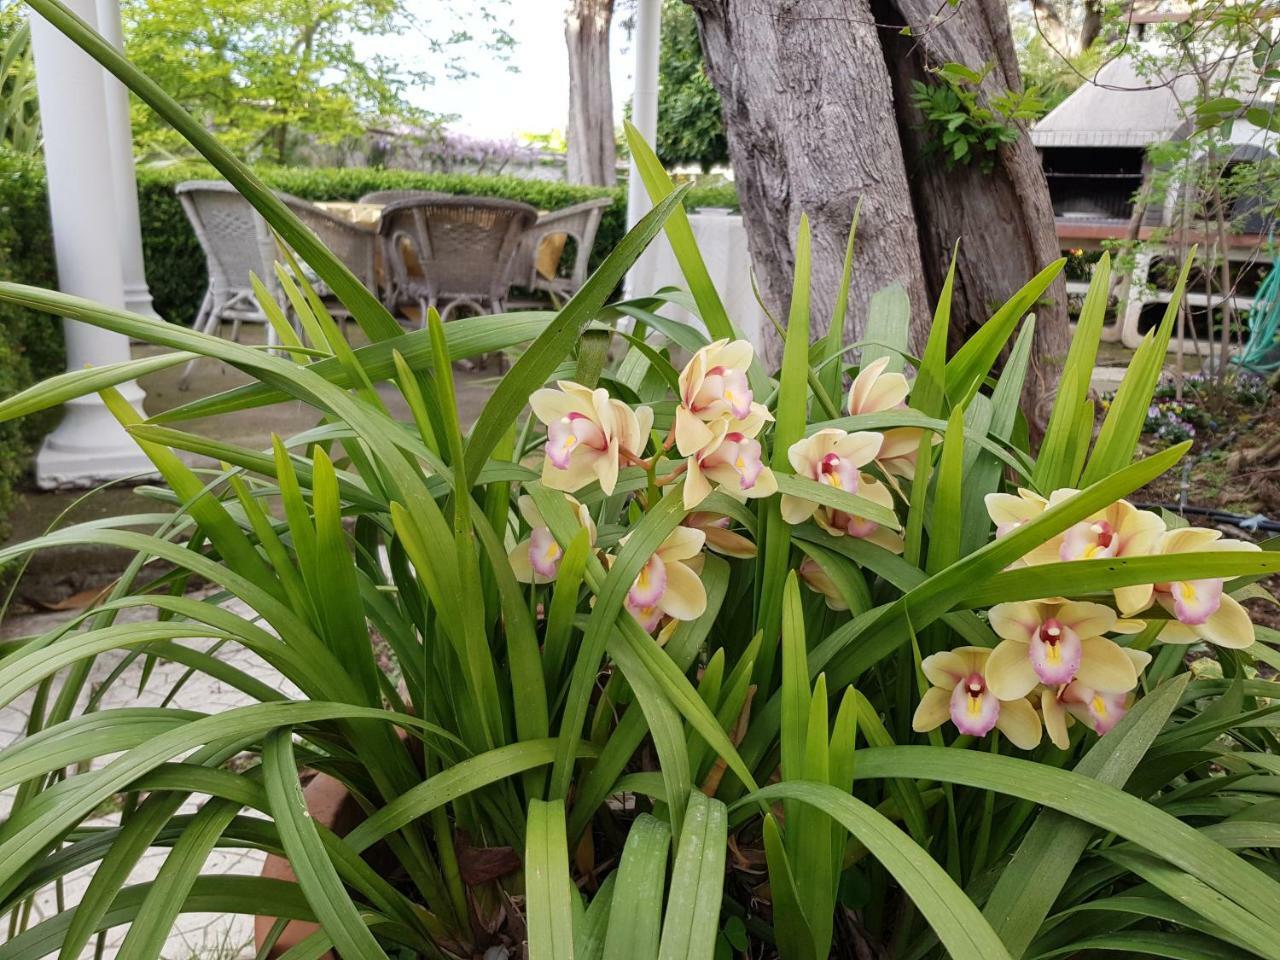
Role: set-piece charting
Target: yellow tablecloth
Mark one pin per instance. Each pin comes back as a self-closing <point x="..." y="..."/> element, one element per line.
<point x="367" y="216"/>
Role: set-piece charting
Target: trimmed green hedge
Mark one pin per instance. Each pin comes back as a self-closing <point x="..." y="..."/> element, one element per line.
<point x="31" y="346"/>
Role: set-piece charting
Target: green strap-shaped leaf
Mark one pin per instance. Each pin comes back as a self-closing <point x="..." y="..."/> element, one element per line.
<point x="791" y="414"/>
<point x="548" y="890"/>
<point x="1076" y="577"/>
<point x="1120" y="430"/>
<point x="697" y="882"/>
<point x="791" y="930"/>
<point x="311" y="864"/>
<point x="972" y="362"/>
<point x="642" y="876"/>
<point x="961" y="928"/>
<point x="1087" y="799"/>
<point x="1043" y="862"/>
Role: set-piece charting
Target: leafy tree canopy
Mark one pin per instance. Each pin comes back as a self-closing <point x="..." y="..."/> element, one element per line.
<point x="274" y="76"/>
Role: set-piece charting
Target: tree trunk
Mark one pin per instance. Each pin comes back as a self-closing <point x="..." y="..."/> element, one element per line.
<point x="1004" y="218"/>
<point x="1091" y="27"/>
<point x="592" y="153"/>
<point x="817" y="108"/>
<point x="808" y="110"/>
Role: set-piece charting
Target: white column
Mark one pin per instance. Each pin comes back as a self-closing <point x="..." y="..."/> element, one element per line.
<point x="137" y="298"/>
<point x="88" y="446"/>
<point x="644" y="115"/>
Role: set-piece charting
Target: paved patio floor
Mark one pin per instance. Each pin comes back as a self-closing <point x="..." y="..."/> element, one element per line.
<point x="54" y="575"/>
<point x="203" y="936"/>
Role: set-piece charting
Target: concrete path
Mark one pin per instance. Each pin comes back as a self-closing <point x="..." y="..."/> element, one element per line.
<point x="203" y="936"/>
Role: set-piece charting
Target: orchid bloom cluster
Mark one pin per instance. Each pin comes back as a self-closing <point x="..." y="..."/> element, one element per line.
<point x="1057" y="661"/>
<point x="591" y="436"/>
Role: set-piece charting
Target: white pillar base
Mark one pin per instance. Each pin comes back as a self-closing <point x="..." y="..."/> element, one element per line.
<point x="89" y="447"/>
<point x="137" y="299"/>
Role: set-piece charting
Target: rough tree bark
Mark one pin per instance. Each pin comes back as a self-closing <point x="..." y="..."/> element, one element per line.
<point x="592" y="154"/>
<point x="817" y="108"/>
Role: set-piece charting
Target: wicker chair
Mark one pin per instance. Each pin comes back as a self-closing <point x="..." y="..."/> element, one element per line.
<point x="354" y="246"/>
<point x="395" y="196"/>
<point x="234" y="243"/>
<point x="463" y="247"/>
<point x="580" y="221"/>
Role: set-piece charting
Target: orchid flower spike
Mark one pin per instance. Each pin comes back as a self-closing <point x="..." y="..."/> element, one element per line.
<point x="713" y="386"/>
<point x="731" y="460"/>
<point x="960" y="692"/>
<point x="667" y="584"/>
<point x="587" y="434"/>
<point x="1202" y="608"/>
<point x="1055" y="643"/>
<point x="537" y="559"/>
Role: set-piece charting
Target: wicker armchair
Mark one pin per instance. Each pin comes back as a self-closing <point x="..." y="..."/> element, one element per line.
<point x="354" y="246"/>
<point x="395" y="196"/>
<point x="234" y="243"/>
<point x="449" y="250"/>
<point x="580" y="221"/>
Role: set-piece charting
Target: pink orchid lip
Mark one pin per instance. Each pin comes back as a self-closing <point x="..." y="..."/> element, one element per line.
<point x="974" y="708"/>
<point x="1004" y="529"/>
<point x="859" y="526"/>
<point x="1100" y="711"/>
<point x="1055" y="652"/>
<point x="647" y="616"/>
<point x="544" y="552"/>
<point x="650" y="585"/>
<point x="1090" y="540"/>
<point x="1195" y="601"/>
<point x="567" y="434"/>
<point x="835" y="472"/>
<point x="743" y="454"/>
<point x="737" y="393"/>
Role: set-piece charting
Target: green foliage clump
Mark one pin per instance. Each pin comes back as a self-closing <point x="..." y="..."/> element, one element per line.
<point x="962" y="128"/>
<point x="30" y="344"/>
<point x="690" y="125"/>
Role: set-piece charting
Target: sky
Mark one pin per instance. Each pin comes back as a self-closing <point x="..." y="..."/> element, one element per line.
<point x="495" y="103"/>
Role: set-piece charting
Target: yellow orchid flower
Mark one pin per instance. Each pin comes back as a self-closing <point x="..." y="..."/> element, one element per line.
<point x="713" y="386"/>
<point x="587" y="434"/>
<point x="960" y="692"/>
<point x="1097" y="710"/>
<point x="1202" y="609"/>
<point x="668" y="585"/>
<point x="732" y="461"/>
<point x="537" y="559"/>
<point x="1055" y="643"/>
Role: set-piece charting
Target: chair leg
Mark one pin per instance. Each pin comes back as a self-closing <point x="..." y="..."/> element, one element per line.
<point x="205" y="318"/>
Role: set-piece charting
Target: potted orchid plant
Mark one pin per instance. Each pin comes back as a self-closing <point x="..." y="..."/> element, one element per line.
<point x="655" y="659"/>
